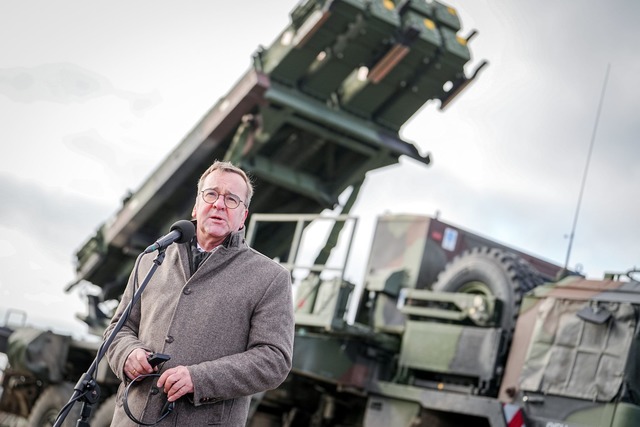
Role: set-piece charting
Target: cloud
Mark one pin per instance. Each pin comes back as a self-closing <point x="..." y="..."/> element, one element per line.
<point x="92" y="145"/>
<point x="56" y="218"/>
<point x="64" y="83"/>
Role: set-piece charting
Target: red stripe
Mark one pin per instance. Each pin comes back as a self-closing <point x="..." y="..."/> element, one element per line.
<point x="517" y="420"/>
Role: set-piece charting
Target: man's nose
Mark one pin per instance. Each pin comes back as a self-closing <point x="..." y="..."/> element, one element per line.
<point x="219" y="203"/>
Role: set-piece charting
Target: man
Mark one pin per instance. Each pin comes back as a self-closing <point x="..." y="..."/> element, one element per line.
<point x="220" y="309"/>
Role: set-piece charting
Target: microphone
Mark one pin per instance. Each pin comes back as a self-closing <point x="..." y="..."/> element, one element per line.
<point x="181" y="232"/>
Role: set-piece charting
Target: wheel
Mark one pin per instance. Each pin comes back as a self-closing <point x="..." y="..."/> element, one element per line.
<point x="48" y="405"/>
<point x="491" y="272"/>
<point x="103" y="415"/>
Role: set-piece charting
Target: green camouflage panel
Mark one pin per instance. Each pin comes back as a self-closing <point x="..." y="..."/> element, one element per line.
<point x="574" y="357"/>
<point x="398" y="246"/>
<point x="444" y="348"/>
<point x="394" y="262"/>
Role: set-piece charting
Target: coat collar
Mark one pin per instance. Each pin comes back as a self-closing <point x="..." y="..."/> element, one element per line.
<point x="233" y="240"/>
<point x="192" y="256"/>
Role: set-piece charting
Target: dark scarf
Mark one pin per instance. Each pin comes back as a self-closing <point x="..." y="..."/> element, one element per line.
<point x="197" y="255"/>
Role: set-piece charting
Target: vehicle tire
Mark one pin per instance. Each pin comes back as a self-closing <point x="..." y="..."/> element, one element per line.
<point x="48" y="405"/>
<point x="492" y="272"/>
<point x="104" y="414"/>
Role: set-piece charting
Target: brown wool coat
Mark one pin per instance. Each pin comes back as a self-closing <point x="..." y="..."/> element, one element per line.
<point x="231" y="324"/>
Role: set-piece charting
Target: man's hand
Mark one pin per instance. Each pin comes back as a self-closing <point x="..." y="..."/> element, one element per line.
<point x="137" y="364"/>
<point x="176" y="382"/>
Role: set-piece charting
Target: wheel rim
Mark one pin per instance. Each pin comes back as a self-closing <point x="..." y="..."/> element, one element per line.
<point x="475" y="287"/>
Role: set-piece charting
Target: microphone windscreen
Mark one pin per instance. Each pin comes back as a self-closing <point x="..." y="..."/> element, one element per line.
<point x="186" y="228"/>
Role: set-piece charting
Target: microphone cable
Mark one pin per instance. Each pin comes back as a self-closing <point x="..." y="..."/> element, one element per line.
<point x="167" y="408"/>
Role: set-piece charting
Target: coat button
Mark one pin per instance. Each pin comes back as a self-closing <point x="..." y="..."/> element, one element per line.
<point x="168" y="339"/>
<point x="187" y="291"/>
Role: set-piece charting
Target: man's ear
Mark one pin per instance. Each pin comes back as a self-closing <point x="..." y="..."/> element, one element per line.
<point x="246" y="213"/>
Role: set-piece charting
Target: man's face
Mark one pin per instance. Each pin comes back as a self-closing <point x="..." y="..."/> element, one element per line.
<point x="216" y="221"/>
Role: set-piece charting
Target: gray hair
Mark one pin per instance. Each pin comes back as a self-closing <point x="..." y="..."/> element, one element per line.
<point x="228" y="167"/>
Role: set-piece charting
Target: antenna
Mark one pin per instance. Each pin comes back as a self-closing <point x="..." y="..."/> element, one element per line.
<point x="586" y="168"/>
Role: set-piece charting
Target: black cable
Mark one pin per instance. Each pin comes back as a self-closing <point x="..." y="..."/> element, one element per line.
<point x="73" y="401"/>
<point x="167" y="409"/>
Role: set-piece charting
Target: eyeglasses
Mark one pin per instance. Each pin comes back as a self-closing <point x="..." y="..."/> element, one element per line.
<point x="230" y="200"/>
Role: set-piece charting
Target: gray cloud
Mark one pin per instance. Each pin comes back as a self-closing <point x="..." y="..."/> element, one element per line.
<point x="59" y="219"/>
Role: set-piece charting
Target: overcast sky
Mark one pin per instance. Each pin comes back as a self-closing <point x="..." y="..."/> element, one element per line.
<point x="93" y="95"/>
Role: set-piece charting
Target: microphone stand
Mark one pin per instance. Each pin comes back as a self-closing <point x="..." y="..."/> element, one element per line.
<point x="87" y="390"/>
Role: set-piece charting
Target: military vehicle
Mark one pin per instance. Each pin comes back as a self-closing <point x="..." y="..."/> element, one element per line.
<point x="319" y="108"/>
<point x="453" y="329"/>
